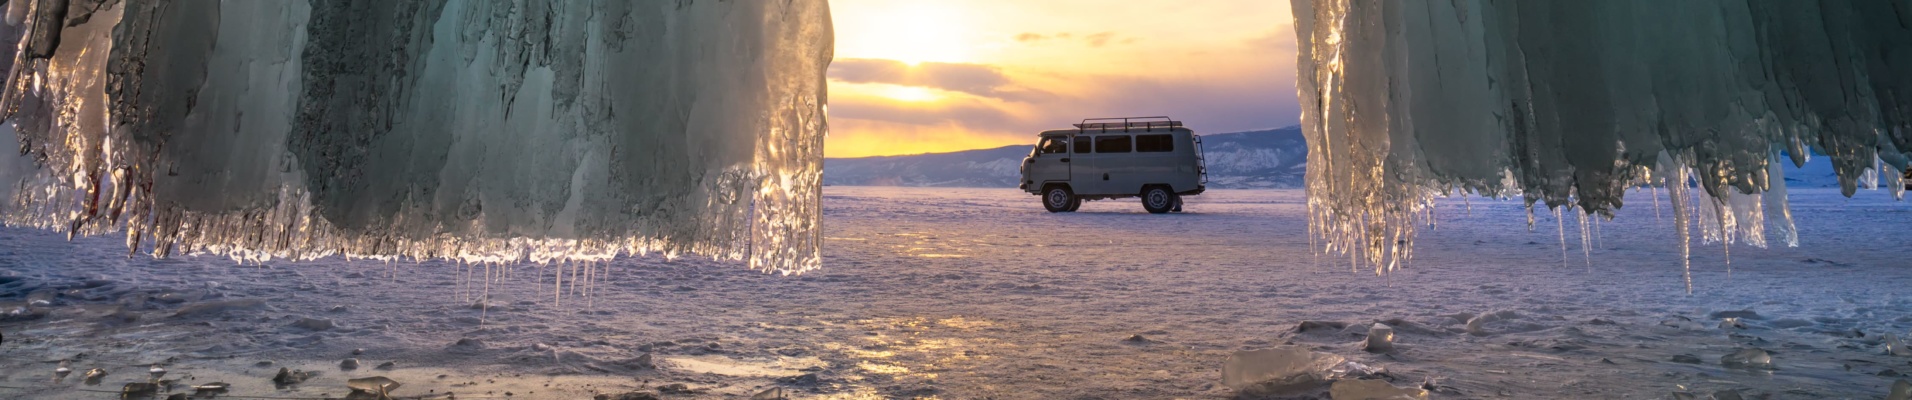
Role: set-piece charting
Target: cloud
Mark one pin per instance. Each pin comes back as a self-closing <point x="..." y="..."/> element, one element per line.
<point x="1209" y="105"/>
<point x="1099" y="39"/>
<point x="972" y="113"/>
<point x="977" y="79"/>
<point x="1281" y="39"/>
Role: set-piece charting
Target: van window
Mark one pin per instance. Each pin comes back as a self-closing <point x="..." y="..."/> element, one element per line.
<point x="1154" y="143"/>
<point x="1053" y="146"/>
<point x="1081" y="144"/>
<point x="1112" y="144"/>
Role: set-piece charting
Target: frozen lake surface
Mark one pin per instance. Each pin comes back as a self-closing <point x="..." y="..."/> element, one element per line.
<point x="979" y="293"/>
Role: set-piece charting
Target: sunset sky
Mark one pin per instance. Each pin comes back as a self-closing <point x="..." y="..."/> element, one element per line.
<point x="917" y="76"/>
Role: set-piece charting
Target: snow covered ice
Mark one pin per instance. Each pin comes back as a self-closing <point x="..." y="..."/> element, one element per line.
<point x="1573" y="103"/>
<point x="473" y="130"/>
<point x="1039" y="306"/>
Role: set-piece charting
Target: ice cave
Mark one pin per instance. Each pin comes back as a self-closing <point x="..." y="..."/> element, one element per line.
<point x="1572" y="103"/>
<point x="541" y="131"/>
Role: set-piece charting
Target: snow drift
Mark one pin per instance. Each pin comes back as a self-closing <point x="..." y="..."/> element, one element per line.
<point x="1572" y="103"/>
<point x="477" y="130"/>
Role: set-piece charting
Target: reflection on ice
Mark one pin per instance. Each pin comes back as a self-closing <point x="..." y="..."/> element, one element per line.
<point x="721" y="365"/>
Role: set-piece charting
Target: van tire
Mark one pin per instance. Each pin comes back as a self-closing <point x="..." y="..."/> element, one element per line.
<point x="1158" y="199"/>
<point x="1075" y="204"/>
<point x="1058" y="198"/>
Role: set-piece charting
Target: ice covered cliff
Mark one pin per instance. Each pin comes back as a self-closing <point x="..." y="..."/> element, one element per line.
<point x="1571" y="103"/>
<point x="478" y="130"/>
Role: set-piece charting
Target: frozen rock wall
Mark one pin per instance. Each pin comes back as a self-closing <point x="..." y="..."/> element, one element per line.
<point x="538" y="130"/>
<point x="1571" y="103"/>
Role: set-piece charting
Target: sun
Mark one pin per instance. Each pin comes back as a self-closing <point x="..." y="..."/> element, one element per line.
<point x="913" y="32"/>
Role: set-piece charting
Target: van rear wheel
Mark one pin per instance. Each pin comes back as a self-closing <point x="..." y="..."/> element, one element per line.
<point x="1060" y="199"/>
<point x="1158" y="199"/>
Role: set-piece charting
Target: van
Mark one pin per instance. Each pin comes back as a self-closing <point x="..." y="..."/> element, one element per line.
<point x="1154" y="158"/>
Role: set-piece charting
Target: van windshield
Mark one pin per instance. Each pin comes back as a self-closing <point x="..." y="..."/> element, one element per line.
<point x="1052" y="146"/>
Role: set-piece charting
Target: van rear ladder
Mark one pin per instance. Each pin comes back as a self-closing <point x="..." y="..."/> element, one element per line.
<point x="1201" y="159"/>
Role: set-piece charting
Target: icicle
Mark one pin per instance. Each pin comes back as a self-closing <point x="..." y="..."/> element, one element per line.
<point x="1596" y="232"/>
<point x="1726" y="233"/>
<point x="1656" y="203"/>
<point x="1530" y="217"/>
<point x="1676" y="191"/>
<point x="1560" y="225"/>
<point x="1585" y="251"/>
<point x="484" y="301"/>
<point x="1776" y="202"/>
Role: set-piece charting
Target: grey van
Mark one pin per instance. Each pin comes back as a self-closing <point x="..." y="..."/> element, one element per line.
<point x="1155" y="158"/>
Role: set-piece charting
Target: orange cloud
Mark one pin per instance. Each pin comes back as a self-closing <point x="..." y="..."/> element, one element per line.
<point x="976" y="79"/>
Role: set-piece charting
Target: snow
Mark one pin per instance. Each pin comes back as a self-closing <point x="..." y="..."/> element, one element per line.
<point x="1570" y="104"/>
<point x="1040" y="305"/>
<point x="477" y="131"/>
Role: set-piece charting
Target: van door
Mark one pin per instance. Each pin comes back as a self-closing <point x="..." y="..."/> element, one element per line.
<point x="1083" y="177"/>
<point x="1050" y="163"/>
<point x="1114" y="159"/>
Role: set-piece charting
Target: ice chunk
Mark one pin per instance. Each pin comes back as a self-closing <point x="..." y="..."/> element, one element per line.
<point x="1748" y="358"/>
<point x="1354" y="370"/>
<point x="1373" y="389"/>
<point x="374" y="384"/>
<point x="1380" y="338"/>
<point x="138" y="390"/>
<point x="1282" y="370"/>
<point x="1405" y="100"/>
<point x="1895" y="346"/>
<point x="1478" y="325"/>
<point x="481" y="131"/>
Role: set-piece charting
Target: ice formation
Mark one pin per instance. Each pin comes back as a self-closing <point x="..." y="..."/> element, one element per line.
<point x="1572" y="103"/>
<point x="540" y="130"/>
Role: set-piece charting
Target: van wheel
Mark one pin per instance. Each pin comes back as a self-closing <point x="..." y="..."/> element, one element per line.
<point x="1059" y="198"/>
<point x="1075" y="204"/>
<point x="1158" y="199"/>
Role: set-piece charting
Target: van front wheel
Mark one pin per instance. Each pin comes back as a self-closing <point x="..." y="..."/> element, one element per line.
<point x="1158" y="199"/>
<point x="1059" y="199"/>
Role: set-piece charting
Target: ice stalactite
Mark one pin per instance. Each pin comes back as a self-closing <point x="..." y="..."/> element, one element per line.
<point x="485" y="131"/>
<point x="1570" y="103"/>
<point x="1586" y="247"/>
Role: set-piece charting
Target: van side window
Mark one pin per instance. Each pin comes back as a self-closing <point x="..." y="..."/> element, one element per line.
<point x="1154" y="143"/>
<point x="1112" y="144"/>
<point x="1081" y="144"/>
<point x="1053" y="146"/>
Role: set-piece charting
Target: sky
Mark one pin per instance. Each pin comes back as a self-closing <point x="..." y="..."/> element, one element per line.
<point x="927" y="76"/>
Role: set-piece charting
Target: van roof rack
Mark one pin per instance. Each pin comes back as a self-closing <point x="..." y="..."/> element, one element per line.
<point x="1127" y="123"/>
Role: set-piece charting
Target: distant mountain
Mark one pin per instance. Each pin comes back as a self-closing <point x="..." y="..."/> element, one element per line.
<point x="1274" y="158"/>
